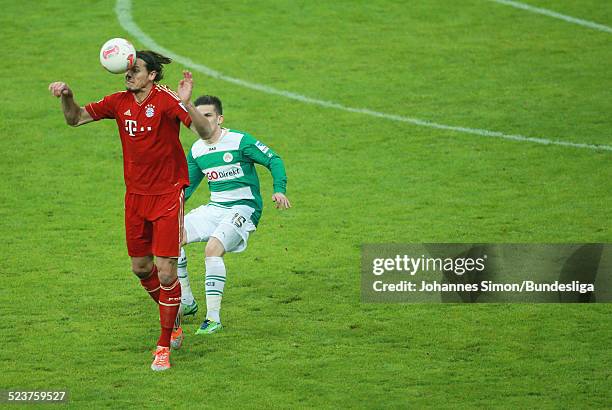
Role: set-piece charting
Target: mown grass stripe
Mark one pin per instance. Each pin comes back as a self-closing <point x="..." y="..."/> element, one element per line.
<point x="123" y="9"/>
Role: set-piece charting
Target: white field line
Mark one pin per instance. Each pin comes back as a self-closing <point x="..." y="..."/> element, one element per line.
<point x="554" y="14"/>
<point x="124" y="13"/>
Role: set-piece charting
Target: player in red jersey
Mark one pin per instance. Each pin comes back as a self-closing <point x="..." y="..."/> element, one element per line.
<point x="148" y="117"/>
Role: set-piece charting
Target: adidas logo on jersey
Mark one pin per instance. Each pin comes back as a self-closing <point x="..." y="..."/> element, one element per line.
<point x="128" y="112"/>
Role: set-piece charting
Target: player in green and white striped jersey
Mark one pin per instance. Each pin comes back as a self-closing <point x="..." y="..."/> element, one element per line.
<point x="227" y="160"/>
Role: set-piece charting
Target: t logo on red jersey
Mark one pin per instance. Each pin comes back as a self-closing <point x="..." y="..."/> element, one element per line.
<point x="130" y="127"/>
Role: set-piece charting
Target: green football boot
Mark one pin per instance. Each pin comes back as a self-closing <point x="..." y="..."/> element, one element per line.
<point x="189" y="310"/>
<point x="209" y="327"/>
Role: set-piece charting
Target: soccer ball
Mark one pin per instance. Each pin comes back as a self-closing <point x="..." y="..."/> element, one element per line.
<point x="117" y="55"/>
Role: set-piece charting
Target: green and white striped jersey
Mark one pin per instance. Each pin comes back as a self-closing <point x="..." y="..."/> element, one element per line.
<point x="229" y="167"/>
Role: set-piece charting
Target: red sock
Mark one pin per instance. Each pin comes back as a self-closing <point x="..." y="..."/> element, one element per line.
<point x="169" y="304"/>
<point x="151" y="284"/>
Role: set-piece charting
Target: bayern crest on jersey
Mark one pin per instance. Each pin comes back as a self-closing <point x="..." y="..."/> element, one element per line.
<point x="150" y="110"/>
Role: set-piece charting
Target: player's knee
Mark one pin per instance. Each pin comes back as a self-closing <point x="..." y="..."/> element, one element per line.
<point x="142" y="267"/>
<point x="214" y="247"/>
<point x="166" y="269"/>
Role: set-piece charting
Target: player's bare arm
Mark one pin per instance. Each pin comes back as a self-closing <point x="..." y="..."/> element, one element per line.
<point x="281" y="201"/>
<point x="198" y="122"/>
<point x="74" y="114"/>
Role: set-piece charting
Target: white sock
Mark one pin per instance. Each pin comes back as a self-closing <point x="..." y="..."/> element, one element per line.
<point x="215" y="282"/>
<point x="186" y="295"/>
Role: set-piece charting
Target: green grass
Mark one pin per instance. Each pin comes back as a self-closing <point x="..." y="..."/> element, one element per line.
<point x="296" y="334"/>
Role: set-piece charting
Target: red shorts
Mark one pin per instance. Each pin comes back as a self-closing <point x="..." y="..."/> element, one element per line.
<point x="154" y="224"/>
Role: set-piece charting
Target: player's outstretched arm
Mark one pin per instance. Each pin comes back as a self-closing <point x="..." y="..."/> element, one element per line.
<point x="199" y="123"/>
<point x="74" y="114"/>
<point x="262" y="154"/>
<point x="281" y="201"/>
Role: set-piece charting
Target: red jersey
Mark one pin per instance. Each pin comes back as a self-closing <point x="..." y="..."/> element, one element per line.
<point x="153" y="158"/>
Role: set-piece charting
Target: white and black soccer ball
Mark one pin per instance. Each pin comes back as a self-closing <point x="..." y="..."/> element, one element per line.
<point x="117" y="55"/>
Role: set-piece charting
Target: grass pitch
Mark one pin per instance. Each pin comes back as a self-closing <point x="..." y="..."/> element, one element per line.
<point x="296" y="333"/>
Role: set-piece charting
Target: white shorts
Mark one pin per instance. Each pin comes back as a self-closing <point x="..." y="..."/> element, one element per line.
<point x="231" y="226"/>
